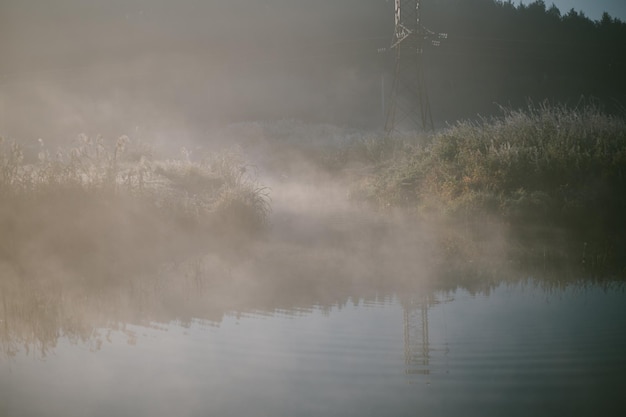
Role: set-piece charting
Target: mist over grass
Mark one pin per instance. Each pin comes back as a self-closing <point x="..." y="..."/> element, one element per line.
<point x="102" y="211"/>
<point x="105" y="233"/>
<point x="551" y="175"/>
<point x="541" y="184"/>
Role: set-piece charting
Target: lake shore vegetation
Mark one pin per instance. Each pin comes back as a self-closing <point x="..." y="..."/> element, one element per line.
<point x="115" y="209"/>
<point x="555" y="177"/>
<point x="538" y="186"/>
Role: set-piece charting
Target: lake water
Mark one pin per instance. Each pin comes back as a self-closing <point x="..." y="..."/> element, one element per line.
<point x="517" y="349"/>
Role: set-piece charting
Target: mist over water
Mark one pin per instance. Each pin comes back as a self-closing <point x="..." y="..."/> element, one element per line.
<point x="437" y="353"/>
<point x="334" y="309"/>
<point x="190" y="225"/>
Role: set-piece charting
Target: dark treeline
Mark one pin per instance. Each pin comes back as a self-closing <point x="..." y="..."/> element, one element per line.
<point x="82" y="66"/>
<point x="500" y="52"/>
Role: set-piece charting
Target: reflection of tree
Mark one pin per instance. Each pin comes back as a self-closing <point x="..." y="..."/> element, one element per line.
<point x="34" y="317"/>
<point x="38" y="312"/>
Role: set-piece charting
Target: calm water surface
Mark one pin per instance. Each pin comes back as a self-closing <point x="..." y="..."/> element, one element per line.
<point x="519" y="350"/>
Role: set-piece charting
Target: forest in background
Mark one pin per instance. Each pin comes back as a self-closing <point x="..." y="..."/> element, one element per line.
<point x="109" y="68"/>
<point x="499" y="52"/>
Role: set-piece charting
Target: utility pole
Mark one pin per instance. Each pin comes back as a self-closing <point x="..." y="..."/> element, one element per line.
<point x="409" y="106"/>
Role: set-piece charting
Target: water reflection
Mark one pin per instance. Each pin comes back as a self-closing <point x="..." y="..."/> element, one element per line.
<point x="36" y="314"/>
<point x="517" y="347"/>
<point x="418" y="346"/>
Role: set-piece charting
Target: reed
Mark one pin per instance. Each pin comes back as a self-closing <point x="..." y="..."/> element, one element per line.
<point x="109" y="210"/>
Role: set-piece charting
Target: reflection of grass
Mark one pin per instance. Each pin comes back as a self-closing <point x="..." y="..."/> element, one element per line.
<point x="35" y="315"/>
<point x="547" y="166"/>
<point x="106" y="212"/>
<point x="100" y="235"/>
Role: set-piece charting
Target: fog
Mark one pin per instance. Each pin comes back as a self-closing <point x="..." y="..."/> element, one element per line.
<point x="200" y="213"/>
<point x="175" y="69"/>
<point x="74" y="263"/>
<point x="291" y="85"/>
<point x="206" y="76"/>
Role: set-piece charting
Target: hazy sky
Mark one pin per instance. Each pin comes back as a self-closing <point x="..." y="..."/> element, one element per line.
<point x="592" y="8"/>
<point x="100" y="65"/>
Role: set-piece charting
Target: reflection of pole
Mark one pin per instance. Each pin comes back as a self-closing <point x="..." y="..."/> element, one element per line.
<point x="416" y="340"/>
<point x="2" y="126"/>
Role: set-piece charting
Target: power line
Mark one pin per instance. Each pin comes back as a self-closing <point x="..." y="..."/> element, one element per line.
<point x="409" y="105"/>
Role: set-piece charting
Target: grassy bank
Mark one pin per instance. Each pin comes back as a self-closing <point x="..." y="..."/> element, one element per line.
<point x="541" y="184"/>
<point x="99" y="235"/>
<point x="553" y="176"/>
<point x="111" y="210"/>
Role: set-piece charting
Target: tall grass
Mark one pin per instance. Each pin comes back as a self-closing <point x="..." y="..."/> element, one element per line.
<point x="110" y="210"/>
<point x="541" y="167"/>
